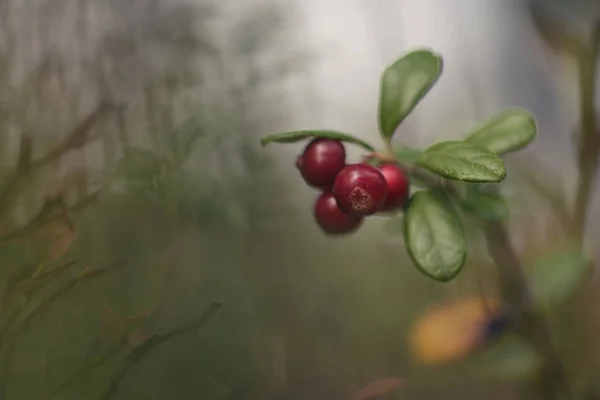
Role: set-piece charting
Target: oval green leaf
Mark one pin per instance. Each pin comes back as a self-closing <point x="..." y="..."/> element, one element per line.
<point x="508" y="131"/>
<point x="297" y="136"/>
<point x="434" y="236"/>
<point x="557" y="275"/>
<point x="484" y="204"/>
<point x="403" y="85"/>
<point x="463" y="161"/>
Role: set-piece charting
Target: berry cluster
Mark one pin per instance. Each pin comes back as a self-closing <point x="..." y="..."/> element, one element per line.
<point x="349" y="192"/>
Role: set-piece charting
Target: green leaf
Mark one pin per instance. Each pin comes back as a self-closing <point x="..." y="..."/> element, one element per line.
<point x="557" y="275"/>
<point x="463" y="161"/>
<point x="485" y="205"/>
<point x="434" y="236"/>
<point x="508" y="131"/>
<point x="297" y="136"/>
<point x="403" y="85"/>
<point x="406" y="154"/>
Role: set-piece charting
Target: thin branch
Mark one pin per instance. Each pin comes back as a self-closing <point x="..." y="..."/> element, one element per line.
<point x="55" y="271"/>
<point x="589" y="140"/>
<point x="142" y="350"/>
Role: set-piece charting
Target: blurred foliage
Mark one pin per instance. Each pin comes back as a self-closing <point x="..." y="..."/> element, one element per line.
<point x="135" y="212"/>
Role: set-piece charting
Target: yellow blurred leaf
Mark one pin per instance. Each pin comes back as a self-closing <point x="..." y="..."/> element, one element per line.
<point x="449" y="332"/>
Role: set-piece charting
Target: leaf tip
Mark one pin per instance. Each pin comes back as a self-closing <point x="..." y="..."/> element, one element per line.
<point x="502" y="174"/>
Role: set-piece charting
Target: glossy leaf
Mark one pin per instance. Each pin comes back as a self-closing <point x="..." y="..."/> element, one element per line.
<point x="508" y="131"/>
<point x="556" y="276"/>
<point x="485" y="205"/>
<point x="297" y="136"/>
<point x="463" y="161"/>
<point x="407" y="155"/>
<point x="434" y="236"/>
<point x="403" y="85"/>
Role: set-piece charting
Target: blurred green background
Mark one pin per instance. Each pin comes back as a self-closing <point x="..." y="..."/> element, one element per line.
<point x="134" y="192"/>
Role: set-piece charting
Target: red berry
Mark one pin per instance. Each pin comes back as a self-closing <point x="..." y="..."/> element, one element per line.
<point x="398" y="186"/>
<point x="333" y="220"/>
<point x="321" y="161"/>
<point x="360" y="189"/>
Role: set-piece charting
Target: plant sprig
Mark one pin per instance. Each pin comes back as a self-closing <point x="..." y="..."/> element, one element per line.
<point x="452" y="174"/>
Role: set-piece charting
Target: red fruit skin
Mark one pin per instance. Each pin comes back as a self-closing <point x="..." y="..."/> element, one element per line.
<point x="398" y="186"/>
<point x="321" y="161"/>
<point x="331" y="219"/>
<point x="360" y="189"/>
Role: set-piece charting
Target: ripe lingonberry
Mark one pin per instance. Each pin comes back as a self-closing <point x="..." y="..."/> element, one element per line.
<point x="360" y="189"/>
<point x="321" y="161"/>
<point x="398" y="187"/>
<point x="333" y="220"/>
